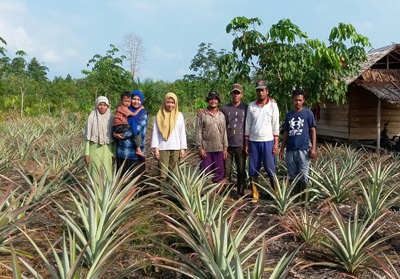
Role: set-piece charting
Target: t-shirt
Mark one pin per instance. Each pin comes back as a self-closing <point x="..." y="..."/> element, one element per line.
<point x="298" y="125"/>
<point x="235" y="120"/>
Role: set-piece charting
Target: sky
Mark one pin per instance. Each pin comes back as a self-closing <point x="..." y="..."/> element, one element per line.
<point x="65" y="34"/>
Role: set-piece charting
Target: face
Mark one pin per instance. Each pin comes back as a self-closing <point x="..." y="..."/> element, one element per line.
<point x="236" y="96"/>
<point x="170" y="105"/>
<point x="102" y="108"/>
<point x="136" y="102"/>
<point x="213" y="102"/>
<point x="298" y="101"/>
<point x="262" y="94"/>
<point x="126" y="101"/>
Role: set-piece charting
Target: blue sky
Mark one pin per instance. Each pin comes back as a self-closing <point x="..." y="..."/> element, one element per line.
<point x="64" y="35"/>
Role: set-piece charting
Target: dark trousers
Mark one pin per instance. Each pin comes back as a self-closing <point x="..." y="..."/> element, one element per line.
<point x="214" y="163"/>
<point x="237" y="154"/>
<point x="132" y="164"/>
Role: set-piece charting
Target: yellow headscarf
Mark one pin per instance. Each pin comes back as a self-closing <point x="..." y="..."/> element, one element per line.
<point x="166" y="120"/>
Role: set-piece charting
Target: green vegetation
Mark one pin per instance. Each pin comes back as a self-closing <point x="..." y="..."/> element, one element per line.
<point x="69" y="226"/>
<point x="80" y="229"/>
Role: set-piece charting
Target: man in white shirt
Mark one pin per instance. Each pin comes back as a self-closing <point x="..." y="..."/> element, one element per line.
<point x="261" y="135"/>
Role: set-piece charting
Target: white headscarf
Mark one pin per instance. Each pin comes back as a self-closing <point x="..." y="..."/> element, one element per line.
<point x="99" y="126"/>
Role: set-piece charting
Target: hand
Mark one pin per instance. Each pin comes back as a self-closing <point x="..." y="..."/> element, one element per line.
<point x="202" y="153"/>
<point x="87" y="159"/>
<point x="182" y="153"/>
<point x="313" y="154"/>
<point x="275" y="150"/>
<point x="272" y="100"/>
<point x="118" y="136"/>
<point x="225" y="154"/>
<point x="246" y="149"/>
<point x="200" y="112"/>
<point x="156" y="153"/>
<point x="281" y="155"/>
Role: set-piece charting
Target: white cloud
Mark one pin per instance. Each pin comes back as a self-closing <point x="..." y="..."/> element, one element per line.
<point x="158" y="52"/>
<point x="12" y="14"/>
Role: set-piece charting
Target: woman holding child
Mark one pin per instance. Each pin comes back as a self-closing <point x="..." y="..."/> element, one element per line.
<point x="128" y="151"/>
<point x="169" y="135"/>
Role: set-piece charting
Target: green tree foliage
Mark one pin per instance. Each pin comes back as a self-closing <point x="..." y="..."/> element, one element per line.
<point x="286" y="58"/>
<point x="107" y="76"/>
<point x="18" y="76"/>
<point x="205" y="63"/>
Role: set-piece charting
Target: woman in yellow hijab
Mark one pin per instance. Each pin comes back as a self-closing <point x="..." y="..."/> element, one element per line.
<point x="169" y="136"/>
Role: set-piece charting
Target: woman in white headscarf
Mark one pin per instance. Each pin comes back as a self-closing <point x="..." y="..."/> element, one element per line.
<point x="99" y="147"/>
<point x="169" y="135"/>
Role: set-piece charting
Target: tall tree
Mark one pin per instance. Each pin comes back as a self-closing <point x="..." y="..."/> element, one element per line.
<point x="133" y="48"/>
<point x="286" y="58"/>
<point x="17" y="75"/>
<point x="205" y="65"/>
<point x="37" y="71"/>
<point x="108" y="76"/>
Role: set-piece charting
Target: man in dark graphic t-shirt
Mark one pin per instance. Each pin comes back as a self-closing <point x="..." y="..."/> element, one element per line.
<point x="298" y="127"/>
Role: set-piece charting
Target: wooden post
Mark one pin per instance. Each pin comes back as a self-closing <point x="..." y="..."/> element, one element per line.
<point x="378" y="125"/>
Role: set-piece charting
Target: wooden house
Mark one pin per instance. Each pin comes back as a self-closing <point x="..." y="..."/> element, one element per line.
<point x="373" y="98"/>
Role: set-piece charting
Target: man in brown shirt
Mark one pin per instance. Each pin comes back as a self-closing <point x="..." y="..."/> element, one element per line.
<point x="211" y="138"/>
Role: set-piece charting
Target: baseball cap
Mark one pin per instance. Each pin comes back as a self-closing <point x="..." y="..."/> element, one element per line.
<point x="213" y="94"/>
<point x="261" y="84"/>
<point x="237" y="87"/>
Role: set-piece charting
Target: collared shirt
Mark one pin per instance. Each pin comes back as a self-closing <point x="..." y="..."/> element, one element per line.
<point x="262" y="122"/>
<point x="211" y="131"/>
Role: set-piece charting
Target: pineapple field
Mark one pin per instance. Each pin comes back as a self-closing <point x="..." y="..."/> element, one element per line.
<point x="57" y="222"/>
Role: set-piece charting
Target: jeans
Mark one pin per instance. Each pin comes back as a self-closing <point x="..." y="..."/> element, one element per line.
<point x="298" y="162"/>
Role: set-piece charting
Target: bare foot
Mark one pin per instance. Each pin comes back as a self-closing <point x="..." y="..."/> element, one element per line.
<point x="140" y="153"/>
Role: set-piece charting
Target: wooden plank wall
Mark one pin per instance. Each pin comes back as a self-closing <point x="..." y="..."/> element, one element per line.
<point x="363" y="115"/>
<point x="333" y="120"/>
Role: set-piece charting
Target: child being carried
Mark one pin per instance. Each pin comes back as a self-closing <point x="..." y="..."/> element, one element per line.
<point x="120" y="123"/>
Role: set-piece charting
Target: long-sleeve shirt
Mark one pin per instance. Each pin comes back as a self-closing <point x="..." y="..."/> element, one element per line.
<point x="262" y="123"/>
<point x="211" y="132"/>
<point x="121" y="115"/>
<point x="126" y="147"/>
<point x="177" y="139"/>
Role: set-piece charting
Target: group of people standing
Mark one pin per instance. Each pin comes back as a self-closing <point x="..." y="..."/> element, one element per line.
<point x="235" y="131"/>
<point x="238" y="130"/>
<point x="121" y="137"/>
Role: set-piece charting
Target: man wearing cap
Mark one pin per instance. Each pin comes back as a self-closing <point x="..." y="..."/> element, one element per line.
<point x="211" y="137"/>
<point x="261" y="135"/>
<point x="235" y="116"/>
<point x="298" y="127"/>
